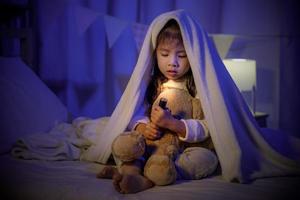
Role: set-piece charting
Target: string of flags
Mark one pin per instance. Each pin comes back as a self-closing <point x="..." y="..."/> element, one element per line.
<point x="114" y="27"/>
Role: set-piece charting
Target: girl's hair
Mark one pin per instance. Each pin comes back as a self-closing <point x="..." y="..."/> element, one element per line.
<point x="170" y="33"/>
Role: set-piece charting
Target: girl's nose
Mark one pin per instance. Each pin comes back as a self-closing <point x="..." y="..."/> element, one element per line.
<point x="173" y="62"/>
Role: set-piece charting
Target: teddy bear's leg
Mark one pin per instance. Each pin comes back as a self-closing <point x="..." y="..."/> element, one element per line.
<point x="196" y="163"/>
<point x="160" y="169"/>
<point x="128" y="147"/>
<point x="169" y="145"/>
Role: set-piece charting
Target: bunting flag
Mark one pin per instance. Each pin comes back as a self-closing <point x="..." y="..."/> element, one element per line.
<point x="223" y="43"/>
<point x="114" y="27"/>
<point x="84" y="18"/>
<point x="139" y="32"/>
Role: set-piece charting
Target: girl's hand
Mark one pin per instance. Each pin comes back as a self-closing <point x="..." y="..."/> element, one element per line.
<point x="149" y="131"/>
<point x="161" y="118"/>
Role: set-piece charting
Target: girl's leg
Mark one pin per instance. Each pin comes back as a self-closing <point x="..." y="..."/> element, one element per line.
<point x="196" y="163"/>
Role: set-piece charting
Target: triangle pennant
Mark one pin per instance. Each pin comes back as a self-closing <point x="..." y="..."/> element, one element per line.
<point x="223" y="43"/>
<point x="139" y="32"/>
<point x="113" y="27"/>
<point x="84" y="18"/>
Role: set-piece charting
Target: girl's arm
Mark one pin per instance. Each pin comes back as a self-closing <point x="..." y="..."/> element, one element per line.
<point x="177" y="126"/>
<point x="149" y="130"/>
<point x="164" y="119"/>
<point x="188" y="130"/>
<point x="142" y="124"/>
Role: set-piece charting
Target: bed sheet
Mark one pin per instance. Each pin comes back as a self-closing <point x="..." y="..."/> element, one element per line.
<point x="36" y="179"/>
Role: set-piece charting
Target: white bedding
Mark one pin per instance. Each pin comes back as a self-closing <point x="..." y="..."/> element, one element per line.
<point x="74" y="180"/>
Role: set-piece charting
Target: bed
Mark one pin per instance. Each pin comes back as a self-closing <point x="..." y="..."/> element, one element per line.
<point x="28" y="106"/>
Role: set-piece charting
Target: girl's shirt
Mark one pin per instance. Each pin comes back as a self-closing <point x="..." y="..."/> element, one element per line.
<point x="196" y="129"/>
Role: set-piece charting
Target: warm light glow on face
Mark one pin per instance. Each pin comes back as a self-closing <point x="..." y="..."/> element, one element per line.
<point x="172" y="60"/>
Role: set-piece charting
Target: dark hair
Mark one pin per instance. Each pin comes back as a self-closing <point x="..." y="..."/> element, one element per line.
<point x="169" y="33"/>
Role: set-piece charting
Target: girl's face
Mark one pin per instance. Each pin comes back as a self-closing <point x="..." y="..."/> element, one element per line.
<point x="172" y="60"/>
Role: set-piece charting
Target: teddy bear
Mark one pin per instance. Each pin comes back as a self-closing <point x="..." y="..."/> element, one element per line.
<point x="160" y="166"/>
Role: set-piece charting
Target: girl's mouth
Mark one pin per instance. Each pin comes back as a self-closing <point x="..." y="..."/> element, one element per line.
<point x="172" y="72"/>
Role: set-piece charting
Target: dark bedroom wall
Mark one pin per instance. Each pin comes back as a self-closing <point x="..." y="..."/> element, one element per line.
<point x="274" y="43"/>
<point x="289" y="68"/>
<point x="256" y="27"/>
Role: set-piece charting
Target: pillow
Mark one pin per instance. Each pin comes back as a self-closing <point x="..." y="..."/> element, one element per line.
<point x="27" y="105"/>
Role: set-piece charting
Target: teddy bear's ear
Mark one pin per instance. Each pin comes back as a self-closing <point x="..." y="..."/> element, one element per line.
<point x="197" y="109"/>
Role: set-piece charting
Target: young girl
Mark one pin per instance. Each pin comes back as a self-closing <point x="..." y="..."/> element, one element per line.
<point x="245" y="151"/>
<point x="171" y="69"/>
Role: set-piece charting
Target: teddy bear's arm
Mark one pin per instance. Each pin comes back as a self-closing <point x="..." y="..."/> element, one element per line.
<point x="197" y="109"/>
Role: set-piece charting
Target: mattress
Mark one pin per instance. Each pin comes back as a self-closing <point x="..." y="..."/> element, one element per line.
<point x="74" y="180"/>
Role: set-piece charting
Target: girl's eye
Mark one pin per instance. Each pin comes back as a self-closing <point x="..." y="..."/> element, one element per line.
<point x="182" y="56"/>
<point x="164" y="54"/>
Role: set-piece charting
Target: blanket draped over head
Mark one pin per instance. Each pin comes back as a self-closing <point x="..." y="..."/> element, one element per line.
<point x="245" y="151"/>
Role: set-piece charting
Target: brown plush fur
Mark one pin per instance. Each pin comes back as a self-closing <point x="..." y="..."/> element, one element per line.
<point x="160" y="167"/>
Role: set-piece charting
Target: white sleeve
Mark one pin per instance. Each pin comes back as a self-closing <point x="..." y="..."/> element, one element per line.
<point x="196" y="130"/>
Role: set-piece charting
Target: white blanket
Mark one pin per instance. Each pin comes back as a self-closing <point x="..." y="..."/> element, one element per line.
<point x="64" y="142"/>
<point x="244" y="153"/>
